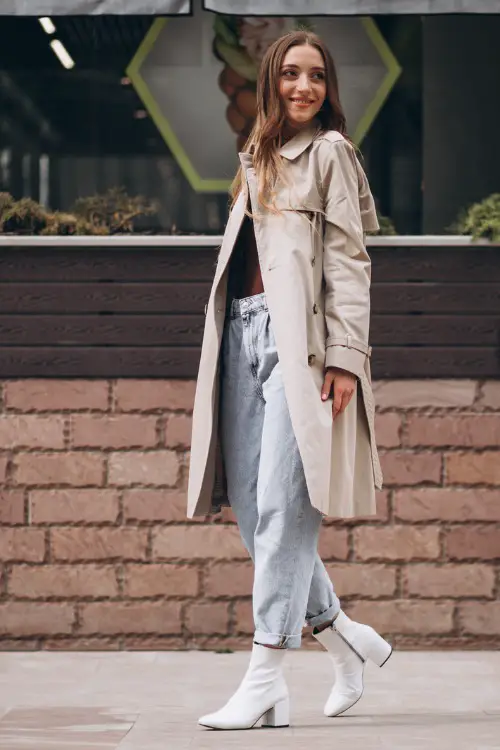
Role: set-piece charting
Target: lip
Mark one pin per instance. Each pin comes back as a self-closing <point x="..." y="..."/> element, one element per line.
<point x="301" y="104"/>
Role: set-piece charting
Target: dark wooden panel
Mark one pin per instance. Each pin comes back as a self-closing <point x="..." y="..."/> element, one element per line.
<point x="182" y="362"/>
<point x="103" y="297"/>
<point x="435" y="362"/>
<point x="95" y="362"/>
<point x="99" y="330"/>
<point x="446" y="330"/>
<point x="96" y="264"/>
<point x="450" y="264"/>
<point x="435" y="298"/>
<point x="187" y="330"/>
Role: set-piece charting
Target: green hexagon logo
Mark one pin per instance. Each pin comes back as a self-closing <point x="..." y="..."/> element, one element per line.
<point x="203" y="103"/>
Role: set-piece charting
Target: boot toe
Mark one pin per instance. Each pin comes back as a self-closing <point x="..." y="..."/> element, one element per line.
<point x="339" y="703"/>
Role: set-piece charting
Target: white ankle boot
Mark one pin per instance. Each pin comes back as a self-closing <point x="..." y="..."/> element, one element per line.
<point x="350" y="644"/>
<point x="262" y="694"/>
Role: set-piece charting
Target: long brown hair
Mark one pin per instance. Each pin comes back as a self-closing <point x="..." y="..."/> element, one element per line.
<point x="265" y="138"/>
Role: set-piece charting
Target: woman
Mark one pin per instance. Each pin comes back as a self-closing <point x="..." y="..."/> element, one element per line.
<point x="286" y="331"/>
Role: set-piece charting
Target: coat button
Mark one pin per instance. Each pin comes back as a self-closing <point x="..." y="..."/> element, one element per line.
<point x="313" y="261"/>
<point x="311" y="359"/>
<point x="315" y="308"/>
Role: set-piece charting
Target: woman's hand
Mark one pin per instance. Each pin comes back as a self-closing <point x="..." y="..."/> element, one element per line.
<point x="344" y="386"/>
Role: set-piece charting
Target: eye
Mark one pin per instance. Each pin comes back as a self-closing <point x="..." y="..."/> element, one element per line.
<point x="288" y="73"/>
<point x="320" y="76"/>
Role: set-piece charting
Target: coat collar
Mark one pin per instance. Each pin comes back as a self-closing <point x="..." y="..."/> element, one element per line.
<point x="292" y="148"/>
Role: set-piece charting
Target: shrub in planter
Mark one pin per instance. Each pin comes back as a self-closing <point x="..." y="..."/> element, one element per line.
<point x="386" y="226"/>
<point x="114" y="210"/>
<point x="481" y="220"/>
<point x="23" y="217"/>
<point x="63" y="224"/>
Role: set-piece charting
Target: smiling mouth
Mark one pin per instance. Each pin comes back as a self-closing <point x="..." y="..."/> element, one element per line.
<point x="302" y="102"/>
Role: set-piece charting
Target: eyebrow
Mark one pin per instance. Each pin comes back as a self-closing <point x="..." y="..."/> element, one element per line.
<point x="292" y="65"/>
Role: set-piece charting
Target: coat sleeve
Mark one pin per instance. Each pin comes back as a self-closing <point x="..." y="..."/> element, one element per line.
<point x="349" y="212"/>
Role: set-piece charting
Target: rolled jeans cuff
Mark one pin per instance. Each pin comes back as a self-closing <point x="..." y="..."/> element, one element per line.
<point x="326" y="616"/>
<point x="273" y="639"/>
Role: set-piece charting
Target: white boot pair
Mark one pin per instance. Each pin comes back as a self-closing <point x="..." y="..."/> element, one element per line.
<point x="263" y="693"/>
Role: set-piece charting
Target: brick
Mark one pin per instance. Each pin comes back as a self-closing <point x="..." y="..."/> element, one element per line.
<point x="81" y="644"/>
<point x="19" y="644"/>
<point x="192" y="542"/>
<point x="114" y="618"/>
<point x="55" y="395"/>
<point x="73" y="506"/>
<point x="86" y="543"/>
<point x="154" y="505"/>
<point x="396" y="543"/>
<point x="333" y="543"/>
<point x="22" y="544"/>
<point x="404" y="616"/>
<point x="436" y="504"/>
<point x="4" y="462"/>
<point x="480" y="618"/>
<point x="387" y="429"/>
<point x="38" y="582"/>
<point x="178" y="432"/>
<point x="490" y="395"/>
<point x="229" y="579"/>
<point x="404" y="467"/>
<point x="208" y="618"/>
<point x="471" y="430"/>
<point x="409" y="394"/>
<point x="473" y="542"/>
<point x="120" y="431"/>
<point x="11" y="506"/>
<point x="143" y="395"/>
<point x="73" y="468"/>
<point x="353" y="579"/>
<point x="473" y="468"/>
<point x="151" y="467"/>
<point x="35" y="618"/>
<point x="31" y="431"/>
<point x="160" y="580"/>
<point x="243" y="617"/>
<point x="452" y="581"/>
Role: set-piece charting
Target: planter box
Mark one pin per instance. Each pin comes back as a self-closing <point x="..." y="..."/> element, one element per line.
<point x="132" y="307"/>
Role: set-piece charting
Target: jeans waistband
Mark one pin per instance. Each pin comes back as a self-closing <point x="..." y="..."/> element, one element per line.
<point x="248" y="306"/>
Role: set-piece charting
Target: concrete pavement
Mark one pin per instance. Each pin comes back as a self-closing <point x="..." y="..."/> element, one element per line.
<point x="151" y="701"/>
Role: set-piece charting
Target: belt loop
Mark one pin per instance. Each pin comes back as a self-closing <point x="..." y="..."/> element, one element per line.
<point x="348" y="339"/>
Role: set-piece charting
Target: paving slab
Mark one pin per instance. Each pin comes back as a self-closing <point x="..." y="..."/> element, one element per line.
<point x="151" y="701"/>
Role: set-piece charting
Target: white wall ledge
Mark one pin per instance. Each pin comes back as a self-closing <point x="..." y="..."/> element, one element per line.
<point x="198" y="240"/>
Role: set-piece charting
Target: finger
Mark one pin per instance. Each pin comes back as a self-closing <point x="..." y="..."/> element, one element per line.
<point x="327" y="385"/>
<point x="346" y="397"/>
<point x="337" y="401"/>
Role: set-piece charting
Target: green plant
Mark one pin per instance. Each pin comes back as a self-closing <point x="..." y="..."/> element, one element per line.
<point x="481" y="220"/>
<point x="6" y="201"/>
<point x="386" y="226"/>
<point x="64" y="224"/>
<point x="114" y="210"/>
<point x="25" y="216"/>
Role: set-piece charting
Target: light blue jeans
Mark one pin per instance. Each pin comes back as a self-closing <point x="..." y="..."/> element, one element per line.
<point x="266" y="482"/>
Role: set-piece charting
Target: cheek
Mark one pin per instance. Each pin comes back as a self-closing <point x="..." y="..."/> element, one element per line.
<point x="284" y="88"/>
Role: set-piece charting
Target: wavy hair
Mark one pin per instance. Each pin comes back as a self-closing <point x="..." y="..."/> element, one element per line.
<point x="265" y="139"/>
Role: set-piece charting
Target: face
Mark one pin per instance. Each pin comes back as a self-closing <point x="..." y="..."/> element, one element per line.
<point x="302" y="84"/>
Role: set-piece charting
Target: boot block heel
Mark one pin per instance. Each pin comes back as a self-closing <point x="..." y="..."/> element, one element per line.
<point x="377" y="649"/>
<point x="278" y="716"/>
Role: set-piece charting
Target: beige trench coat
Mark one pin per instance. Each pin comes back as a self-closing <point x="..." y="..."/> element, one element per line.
<point x="316" y="275"/>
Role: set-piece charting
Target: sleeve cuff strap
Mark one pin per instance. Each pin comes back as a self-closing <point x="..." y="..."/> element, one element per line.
<point x="350" y="342"/>
<point x="351" y="359"/>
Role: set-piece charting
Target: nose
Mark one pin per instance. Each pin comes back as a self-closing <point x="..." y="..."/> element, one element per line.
<point x="303" y="83"/>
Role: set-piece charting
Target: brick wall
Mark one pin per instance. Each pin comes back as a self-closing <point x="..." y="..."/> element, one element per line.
<point x="95" y="551"/>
